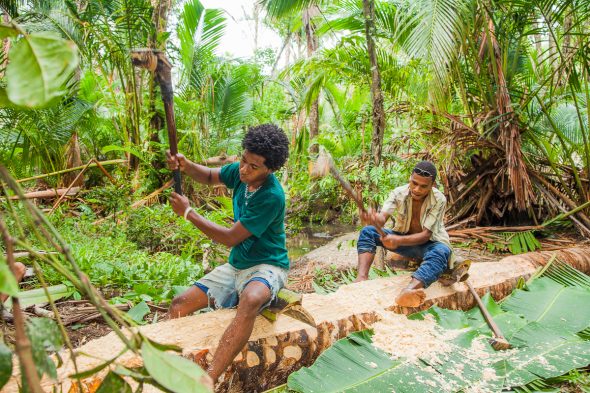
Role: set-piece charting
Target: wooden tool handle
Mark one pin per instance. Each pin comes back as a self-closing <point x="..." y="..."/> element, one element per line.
<point x="164" y="77"/>
<point x="348" y="188"/>
<point x="485" y="312"/>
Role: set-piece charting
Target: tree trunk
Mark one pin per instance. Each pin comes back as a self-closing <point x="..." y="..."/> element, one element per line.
<point x="312" y="46"/>
<point x="539" y="43"/>
<point x="376" y="94"/>
<point x="277" y="349"/>
<point x="5" y="46"/>
<point x="509" y="129"/>
<point x="73" y="160"/>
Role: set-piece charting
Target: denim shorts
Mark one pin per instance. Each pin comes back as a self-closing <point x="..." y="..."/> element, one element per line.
<point x="225" y="283"/>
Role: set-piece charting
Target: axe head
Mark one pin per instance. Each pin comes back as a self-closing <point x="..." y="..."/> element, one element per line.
<point x="145" y="58"/>
<point x="323" y="165"/>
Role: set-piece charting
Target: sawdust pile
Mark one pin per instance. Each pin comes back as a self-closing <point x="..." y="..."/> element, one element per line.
<point x="411" y="339"/>
<point x="416" y="340"/>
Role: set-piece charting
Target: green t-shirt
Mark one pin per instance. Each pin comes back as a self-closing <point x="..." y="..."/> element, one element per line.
<point x="263" y="215"/>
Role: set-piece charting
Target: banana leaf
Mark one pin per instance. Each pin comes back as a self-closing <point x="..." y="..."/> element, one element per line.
<point x="354" y="365"/>
<point x="539" y="322"/>
<point x="552" y="304"/>
<point x="37" y="296"/>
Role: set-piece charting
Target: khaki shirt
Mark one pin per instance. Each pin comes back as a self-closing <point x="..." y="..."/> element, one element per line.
<point x="399" y="206"/>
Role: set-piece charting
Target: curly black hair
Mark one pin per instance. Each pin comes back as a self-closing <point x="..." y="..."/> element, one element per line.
<point x="270" y="142"/>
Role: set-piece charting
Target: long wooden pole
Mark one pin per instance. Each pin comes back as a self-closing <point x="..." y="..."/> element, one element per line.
<point x="164" y="78"/>
<point x="109" y="162"/>
<point x="155" y="61"/>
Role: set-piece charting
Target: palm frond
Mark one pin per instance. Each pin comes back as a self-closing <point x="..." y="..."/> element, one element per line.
<point x="432" y="30"/>
<point x="279" y="8"/>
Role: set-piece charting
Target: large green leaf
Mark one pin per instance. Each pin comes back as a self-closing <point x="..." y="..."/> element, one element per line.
<point x="354" y="365"/>
<point x="172" y="371"/>
<point x="139" y="311"/>
<point x="544" y="353"/>
<point x="5" y="364"/>
<point x="551" y="304"/>
<point x="40" y="64"/>
<point x="7" y="31"/>
<point x="544" y="346"/>
<point x="36" y="296"/>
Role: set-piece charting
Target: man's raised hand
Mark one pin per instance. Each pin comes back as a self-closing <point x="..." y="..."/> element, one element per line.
<point x="176" y="162"/>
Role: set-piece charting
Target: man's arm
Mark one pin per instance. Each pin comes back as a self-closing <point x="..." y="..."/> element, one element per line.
<point x="229" y="237"/>
<point x="198" y="173"/>
<point x="415" y="239"/>
<point x="374" y="218"/>
<point x="203" y="174"/>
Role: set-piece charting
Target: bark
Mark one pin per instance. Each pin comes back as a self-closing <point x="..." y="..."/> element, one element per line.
<point x="5" y="46"/>
<point x="73" y="158"/>
<point x="277" y="349"/>
<point x="312" y="46"/>
<point x="376" y="94"/>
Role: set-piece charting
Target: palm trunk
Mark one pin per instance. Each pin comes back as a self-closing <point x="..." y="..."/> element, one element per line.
<point x="312" y="46"/>
<point x="277" y="349"/>
<point x="74" y="160"/>
<point x="376" y="94"/>
<point x="509" y="130"/>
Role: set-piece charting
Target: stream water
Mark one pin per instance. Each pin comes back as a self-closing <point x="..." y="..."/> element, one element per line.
<point x="314" y="236"/>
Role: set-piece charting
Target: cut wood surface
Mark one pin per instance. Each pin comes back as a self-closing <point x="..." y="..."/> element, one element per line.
<point x="277" y="349"/>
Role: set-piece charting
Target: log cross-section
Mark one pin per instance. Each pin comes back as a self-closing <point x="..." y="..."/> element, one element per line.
<point x="277" y="349"/>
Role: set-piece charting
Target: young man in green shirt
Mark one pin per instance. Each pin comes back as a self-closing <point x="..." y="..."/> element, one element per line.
<point x="258" y="262"/>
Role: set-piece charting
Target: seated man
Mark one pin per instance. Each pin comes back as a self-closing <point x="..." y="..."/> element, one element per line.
<point x="258" y="262"/>
<point x="418" y="211"/>
<point x="18" y="275"/>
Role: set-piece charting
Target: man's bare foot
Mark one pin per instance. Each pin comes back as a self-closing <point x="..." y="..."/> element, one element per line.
<point x="359" y="279"/>
<point x="411" y="297"/>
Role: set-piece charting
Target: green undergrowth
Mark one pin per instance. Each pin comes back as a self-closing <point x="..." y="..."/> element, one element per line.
<point x="143" y="255"/>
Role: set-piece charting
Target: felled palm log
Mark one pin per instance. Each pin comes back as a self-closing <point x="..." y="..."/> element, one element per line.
<point x="277" y="349"/>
